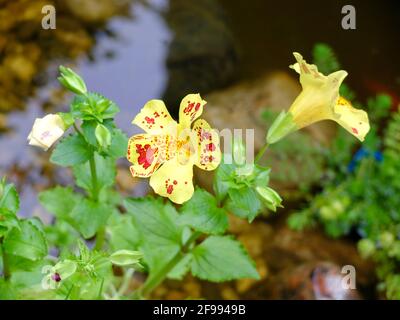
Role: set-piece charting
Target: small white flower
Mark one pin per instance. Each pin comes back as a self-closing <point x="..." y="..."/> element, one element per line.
<point x="46" y="131"/>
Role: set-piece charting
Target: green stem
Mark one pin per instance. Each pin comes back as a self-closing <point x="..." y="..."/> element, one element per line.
<point x="155" y="280"/>
<point x="93" y="173"/>
<point x="261" y="152"/>
<point x="100" y="238"/>
<point x="6" y="270"/>
<point x="100" y="235"/>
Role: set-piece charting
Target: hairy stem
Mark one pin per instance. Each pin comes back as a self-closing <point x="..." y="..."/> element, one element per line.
<point x="93" y="173"/>
<point x="100" y="238"/>
<point x="261" y="152"/>
<point x="155" y="280"/>
<point x="6" y="270"/>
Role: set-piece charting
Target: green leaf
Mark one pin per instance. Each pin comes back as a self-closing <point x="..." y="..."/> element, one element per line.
<point x="244" y="203"/>
<point x="223" y="180"/>
<point x="221" y="258"/>
<point x="123" y="234"/>
<point x="160" y="235"/>
<point x="111" y="111"/>
<point x="88" y="217"/>
<point x="9" y="198"/>
<point x="202" y="213"/>
<point x="7" y="290"/>
<point x="181" y="269"/>
<point x="88" y="128"/>
<point x="28" y="241"/>
<point x="119" y="144"/>
<point x="59" y="201"/>
<point x="93" y="106"/>
<point x="8" y="220"/>
<point x="105" y="169"/>
<point x="71" y="151"/>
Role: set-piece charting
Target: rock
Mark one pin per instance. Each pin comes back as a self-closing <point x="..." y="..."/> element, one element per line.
<point x="241" y="107"/>
<point x="202" y="55"/>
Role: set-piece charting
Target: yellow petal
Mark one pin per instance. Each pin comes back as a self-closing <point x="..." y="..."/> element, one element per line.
<point x="174" y="181"/>
<point x="208" y="153"/>
<point x="147" y="152"/>
<point x="190" y="109"/>
<point x="154" y="118"/>
<point x="353" y="120"/>
<point x="309" y="74"/>
<point x="320" y="100"/>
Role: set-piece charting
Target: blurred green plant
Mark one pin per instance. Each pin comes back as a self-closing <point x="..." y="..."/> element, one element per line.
<point x="361" y="193"/>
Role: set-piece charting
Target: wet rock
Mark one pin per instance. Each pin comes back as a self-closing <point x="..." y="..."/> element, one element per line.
<point x="202" y="55"/>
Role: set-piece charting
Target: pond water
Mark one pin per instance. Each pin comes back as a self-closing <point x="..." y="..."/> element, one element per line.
<point x="163" y="49"/>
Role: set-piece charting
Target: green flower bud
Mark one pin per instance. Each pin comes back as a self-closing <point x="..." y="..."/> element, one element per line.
<point x="239" y="151"/>
<point x="65" y="269"/>
<point x="366" y="247"/>
<point x="271" y="198"/>
<point x="126" y="257"/>
<point x="70" y="80"/>
<point x="282" y="126"/>
<point x="103" y="136"/>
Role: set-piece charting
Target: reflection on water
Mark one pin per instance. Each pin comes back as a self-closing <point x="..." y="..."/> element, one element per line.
<point x="136" y="72"/>
<point x="128" y="67"/>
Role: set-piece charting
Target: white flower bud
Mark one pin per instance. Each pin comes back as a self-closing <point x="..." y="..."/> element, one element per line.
<point x="46" y="131"/>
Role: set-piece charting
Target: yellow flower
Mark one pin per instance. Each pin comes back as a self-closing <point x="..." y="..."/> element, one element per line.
<point x="319" y="100"/>
<point x="168" y="150"/>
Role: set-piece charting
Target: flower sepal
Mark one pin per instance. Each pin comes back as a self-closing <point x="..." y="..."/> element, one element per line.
<point x="271" y="198"/>
<point x="70" y="80"/>
<point x="281" y="127"/>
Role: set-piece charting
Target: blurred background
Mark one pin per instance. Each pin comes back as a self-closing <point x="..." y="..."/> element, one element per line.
<point x="341" y="197"/>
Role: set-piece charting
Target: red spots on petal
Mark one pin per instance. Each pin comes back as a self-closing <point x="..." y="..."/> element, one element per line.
<point x="210" y="158"/>
<point x="355" y="131"/>
<point x="205" y="135"/>
<point x="175" y="182"/>
<point x="197" y="106"/>
<point x="146" y="155"/>
<point x="156" y="115"/>
<point x="170" y="188"/>
<point x="185" y="182"/>
<point x="210" y="147"/>
<point x="189" y="108"/>
<point x="149" y="120"/>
